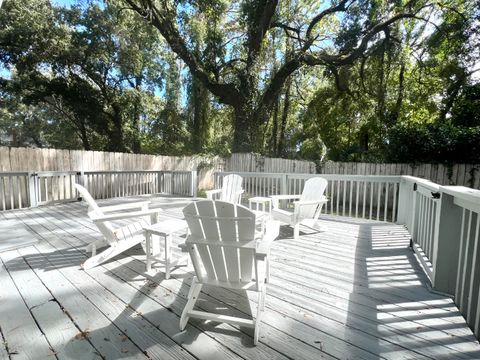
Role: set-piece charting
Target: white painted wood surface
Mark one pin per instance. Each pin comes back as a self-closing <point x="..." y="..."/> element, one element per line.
<point x="231" y="190"/>
<point x="14" y="235"/>
<point x="118" y="239"/>
<point x="226" y="252"/>
<point x="306" y="209"/>
<point x="354" y="292"/>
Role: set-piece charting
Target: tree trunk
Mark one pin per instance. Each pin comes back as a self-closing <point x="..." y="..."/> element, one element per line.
<point x="283" y="126"/>
<point x="84" y="137"/>
<point x="399" y="102"/>
<point x="242" y="141"/>
<point x="200" y="108"/>
<point x="117" y="141"/>
<point x="136" y="144"/>
<point x="273" y="139"/>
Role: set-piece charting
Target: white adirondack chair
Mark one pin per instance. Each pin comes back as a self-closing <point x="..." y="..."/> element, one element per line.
<point x="226" y="253"/>
<point x="121" y="238"/>
<point x="306" y="210"/>
<point x="231" y="190"/>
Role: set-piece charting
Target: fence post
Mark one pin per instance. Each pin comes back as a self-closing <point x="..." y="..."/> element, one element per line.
<point x="172" y="182"/>
<point x="32" y="189"/>
<point x="194" y="183"/>
<point x="446" y="242"/>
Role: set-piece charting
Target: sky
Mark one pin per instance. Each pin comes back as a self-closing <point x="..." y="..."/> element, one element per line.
<point x="64" y="2"/>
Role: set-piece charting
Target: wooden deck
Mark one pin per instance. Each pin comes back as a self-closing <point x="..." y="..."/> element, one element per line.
<point x="354" y="291"/>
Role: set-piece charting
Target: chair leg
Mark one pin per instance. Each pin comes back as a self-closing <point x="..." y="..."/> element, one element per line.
<point x="148" y="251"/>
<point x="192" y="298"/>
<point x="296" y="231"/>
<point x="267" y="270"/>
<point x="168" y="246"/>
<point x="258" y="319"/>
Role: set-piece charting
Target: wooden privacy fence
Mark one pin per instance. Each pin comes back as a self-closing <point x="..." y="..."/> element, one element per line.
<point x="29" y="159"/>
<point x="27" y="189"/>
<point x="247" y="162"/>
<point x="454" y="174"/>
<point x="47" y="160"/>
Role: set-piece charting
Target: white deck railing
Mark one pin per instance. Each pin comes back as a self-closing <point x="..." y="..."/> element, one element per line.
<point x="362" y="196"/>
<point x="15" y="190"/>
<point x="443" y="221"/>
<point x="27" y="189"/>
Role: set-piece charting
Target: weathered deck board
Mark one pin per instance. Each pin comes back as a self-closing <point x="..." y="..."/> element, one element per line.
<point x="58" y="328"/>
<point x="225" y="339"/>
<point x="21" y="334"/>
<point x="109" y="340"/>
<point x="354" y="291"/>
<point x="146" y="334"/>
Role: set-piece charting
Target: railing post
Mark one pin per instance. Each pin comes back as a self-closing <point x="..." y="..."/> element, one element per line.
<point x="159" y="184"/>
<point x="404" y="201"/>
<point x="32" y="189"/>
<point x="194" y="183"/>
<point x="172" y="182"/>
<point x="79" y="179"/>
<point x="283" y="184"/>
<point x="446" y="244"/>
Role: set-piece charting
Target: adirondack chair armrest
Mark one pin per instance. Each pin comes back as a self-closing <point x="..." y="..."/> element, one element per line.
<point x="133" y="205"/>
<point x="276" y="199"/>
<point x="211" y="193"/>
<point x="123" y="216"/>
<point x="310" y="202"/>
<point x="174" y="204"/>
<point x="272" y="230"/>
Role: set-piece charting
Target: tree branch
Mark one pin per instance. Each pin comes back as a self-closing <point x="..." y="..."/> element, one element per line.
<point x="287" y="30"/>
<point x="264" y="13"/>
<point x="276" y="83"/>
<point x="341" y="6"/>
<point x="164" y="21"/>
<point x="324" y="58"/>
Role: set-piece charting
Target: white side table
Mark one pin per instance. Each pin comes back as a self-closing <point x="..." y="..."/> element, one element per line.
<point x="262" y="213"/>
<point x="263" y="201"/>
<point x="163" y="229"/>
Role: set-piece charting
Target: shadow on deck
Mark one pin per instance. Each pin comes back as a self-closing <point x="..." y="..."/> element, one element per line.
<point x="353" y="291"/>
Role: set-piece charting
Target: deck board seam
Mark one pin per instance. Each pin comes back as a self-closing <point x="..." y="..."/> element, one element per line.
<point x="160" y="284"/>
<point x="384" y="339"/>
<point x="82" y="252"/>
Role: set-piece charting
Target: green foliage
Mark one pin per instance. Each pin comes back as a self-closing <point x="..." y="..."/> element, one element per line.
<point x="434" y="143"/>
<point x="411" y="79"/>
<point x="466" y="110"/>
<point x="97" y="76"/>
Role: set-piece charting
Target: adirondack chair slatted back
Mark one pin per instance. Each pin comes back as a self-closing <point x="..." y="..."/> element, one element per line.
<point x="105" y="227"/>
<point x="231" y="188"/>
<point x="313" y="190"/>
<point x="214" y="223"/>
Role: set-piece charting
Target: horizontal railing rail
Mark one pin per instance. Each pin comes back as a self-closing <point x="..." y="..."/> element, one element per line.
<point x="28" y="189"/>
